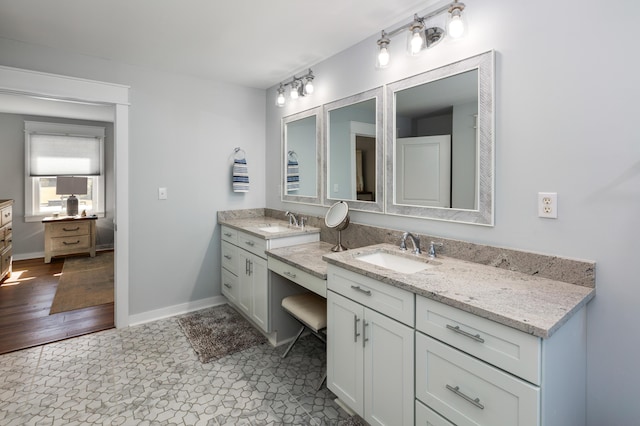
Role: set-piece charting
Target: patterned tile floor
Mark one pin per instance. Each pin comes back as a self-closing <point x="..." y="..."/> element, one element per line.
<point x="150" y="375"/>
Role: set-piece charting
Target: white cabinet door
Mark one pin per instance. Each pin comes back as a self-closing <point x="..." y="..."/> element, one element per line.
<point x="388" y="374"/>
<point x="260" y="285"/>
<point x="370" y="362"/>
<point x="245" y="285"/>
<point x="345" y="351"/>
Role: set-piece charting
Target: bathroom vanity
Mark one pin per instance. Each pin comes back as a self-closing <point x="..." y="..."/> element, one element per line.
<point x="414" y="340"/>
<point x="246" y="281"/>
<point x="490" y="346"/>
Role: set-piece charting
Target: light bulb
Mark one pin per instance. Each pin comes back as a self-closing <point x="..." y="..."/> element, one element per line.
<point x="383" y="57"/>
<point x="280" y="99"/>
<point x="308" y="88"/>
<point x="416" y="43"/>
<point x="456" y="25"/>
<point x="294" y="91"/>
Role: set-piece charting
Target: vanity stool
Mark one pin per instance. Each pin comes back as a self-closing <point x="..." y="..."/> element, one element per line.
<point x="310" y="310"/>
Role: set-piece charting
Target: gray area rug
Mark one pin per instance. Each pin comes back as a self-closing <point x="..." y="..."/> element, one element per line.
<point x="219" y="331"/>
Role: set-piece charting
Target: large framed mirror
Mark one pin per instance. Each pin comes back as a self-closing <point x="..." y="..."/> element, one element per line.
<point x="302" y="157"/>
<point x="354" y="158"/>
<point x="440" y="143"/>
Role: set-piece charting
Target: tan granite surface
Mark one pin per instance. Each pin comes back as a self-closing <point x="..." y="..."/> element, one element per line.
<point x="253" y="224"/>
<point x="532" y="304"/>
<point x="306" y="257"/>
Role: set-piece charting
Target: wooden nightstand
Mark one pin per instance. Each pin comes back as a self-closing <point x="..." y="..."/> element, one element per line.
<point x="69" y="235"/>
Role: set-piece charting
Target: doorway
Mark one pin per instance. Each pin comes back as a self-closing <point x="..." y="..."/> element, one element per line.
<point x="73" y="92"/>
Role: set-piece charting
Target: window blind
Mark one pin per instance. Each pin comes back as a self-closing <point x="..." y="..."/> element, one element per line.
<point x="64" y="155"/>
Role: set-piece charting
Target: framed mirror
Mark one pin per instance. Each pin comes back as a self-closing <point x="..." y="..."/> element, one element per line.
<point x="354" y="158"/>
<point x="440" y="139"/>
<point x="302" y="157"/>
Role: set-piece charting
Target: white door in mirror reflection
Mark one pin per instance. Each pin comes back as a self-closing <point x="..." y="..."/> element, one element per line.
<point x="423" y="172"/>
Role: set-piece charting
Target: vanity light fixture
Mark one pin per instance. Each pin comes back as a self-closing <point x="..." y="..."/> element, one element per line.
<point x="298" y="87"/>
<point x="420" y="36"/>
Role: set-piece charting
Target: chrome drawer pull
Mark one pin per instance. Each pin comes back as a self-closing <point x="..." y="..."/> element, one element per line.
<point x="457" y="329"/>
<point x="226" y="256"/>
<point x="475" y="402"/>
<point x="357" y="288"/>
<point x="250" y="243"/>
<point x="71" y="230"/>
<point x="227" y="285"/>
<point x="70" y="244"/>
<point x="355" y="328"/>
<point x="289" y="274"/>
<point x="227" y="234"/>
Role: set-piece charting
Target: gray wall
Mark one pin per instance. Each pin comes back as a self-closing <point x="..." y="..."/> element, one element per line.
<point x="566" y="107"/>
<point x="28" y="237"/>
<point x="182" y="134"/>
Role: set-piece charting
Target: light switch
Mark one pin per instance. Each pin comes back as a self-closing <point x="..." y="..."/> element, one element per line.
<point x="162" y="193"/>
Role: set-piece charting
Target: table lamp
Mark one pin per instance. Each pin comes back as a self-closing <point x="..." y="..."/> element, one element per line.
<point x="71" y="185"/>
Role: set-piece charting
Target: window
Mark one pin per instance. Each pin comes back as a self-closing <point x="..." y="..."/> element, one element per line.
<point x="53" y="150"/>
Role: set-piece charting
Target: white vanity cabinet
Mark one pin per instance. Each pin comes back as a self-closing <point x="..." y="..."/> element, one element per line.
<point x="245" y="277"/>
<point x="473" y="371"/>
<point x="370" y="350"/>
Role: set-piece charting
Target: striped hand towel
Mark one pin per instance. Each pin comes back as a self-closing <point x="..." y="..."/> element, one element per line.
<point x="293" y="175"/>
<point x="240" y="175"/>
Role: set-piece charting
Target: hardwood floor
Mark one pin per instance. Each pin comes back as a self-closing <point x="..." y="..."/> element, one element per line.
<point x="25" y="300"/>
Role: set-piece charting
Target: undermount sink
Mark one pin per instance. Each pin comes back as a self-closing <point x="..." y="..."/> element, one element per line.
<point x="395" y="262"/>
<point x="274" y="228"/>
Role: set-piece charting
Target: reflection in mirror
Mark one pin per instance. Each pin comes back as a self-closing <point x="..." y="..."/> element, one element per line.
<point x="354" y="151"/>
<point x="301" y="157"/>
<point x="440" y="163"/>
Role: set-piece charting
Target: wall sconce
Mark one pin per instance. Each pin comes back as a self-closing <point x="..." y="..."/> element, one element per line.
<point x="421" y="37"/>
<point x="298" y="87"/>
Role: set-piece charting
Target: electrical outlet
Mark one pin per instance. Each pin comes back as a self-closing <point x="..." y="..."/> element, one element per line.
<point x="548" y="205"/>
<point x="162" y="193"/>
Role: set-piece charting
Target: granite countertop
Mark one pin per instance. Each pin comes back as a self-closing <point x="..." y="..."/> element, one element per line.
<point x="534" y="305"/>
<point x="306" y="257"/>
<point x="252" y="226"/>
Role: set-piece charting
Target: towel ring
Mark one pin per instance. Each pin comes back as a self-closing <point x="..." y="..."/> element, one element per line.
<point x="236" y="151"/>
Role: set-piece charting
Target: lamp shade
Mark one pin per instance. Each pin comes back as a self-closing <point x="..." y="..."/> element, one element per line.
<point x="67" y="185"/>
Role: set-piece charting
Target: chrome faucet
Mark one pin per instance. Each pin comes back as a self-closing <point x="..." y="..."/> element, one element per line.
<point x="292" y="219"/>
<point x="432" y="249"/>
<point x="415" y="240"/>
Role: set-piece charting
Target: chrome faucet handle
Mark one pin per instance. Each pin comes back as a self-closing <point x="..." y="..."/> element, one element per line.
<point x="403" y="241"/>
<point x="432" y="249"/>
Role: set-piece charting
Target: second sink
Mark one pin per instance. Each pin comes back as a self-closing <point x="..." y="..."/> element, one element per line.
<point x="396" y="263"/>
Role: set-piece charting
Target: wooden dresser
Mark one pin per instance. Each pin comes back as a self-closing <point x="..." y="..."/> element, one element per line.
<point x="6" y="237"/>
<point x="69" y="235"/>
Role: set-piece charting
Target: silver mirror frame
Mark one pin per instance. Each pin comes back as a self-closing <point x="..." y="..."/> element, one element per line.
<point x="319" y="196"/>
<point x="484" y="215"/>
<point x="369" y="206"/>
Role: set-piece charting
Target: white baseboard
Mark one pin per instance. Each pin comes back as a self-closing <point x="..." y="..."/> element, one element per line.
<point x="174" y="310"/>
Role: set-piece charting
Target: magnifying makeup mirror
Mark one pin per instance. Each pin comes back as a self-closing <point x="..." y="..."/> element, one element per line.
<point x="338" y="218"/>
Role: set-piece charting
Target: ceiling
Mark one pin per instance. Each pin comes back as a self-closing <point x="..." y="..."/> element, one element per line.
<point x="254" y="43"/>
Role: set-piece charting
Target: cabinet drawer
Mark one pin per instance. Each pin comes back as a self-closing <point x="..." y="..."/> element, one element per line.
<point x="252" y="244"/>
<point x="298" y="276"/>
<point x="386" y="299"/>
<point x="75" y="243"/>
<point x="6" y="215"/>
<point x="6" y="237"/>
<point x="230" y="257"/>
<point x="229" y="234"/>
<point x="502" y="346"/>
<point x="5" y="262"/>
<point x="425" y="416"/>
<point x="468" y="391"/>
<point x="65" y="229"/>
<point x="230" y="286"/>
